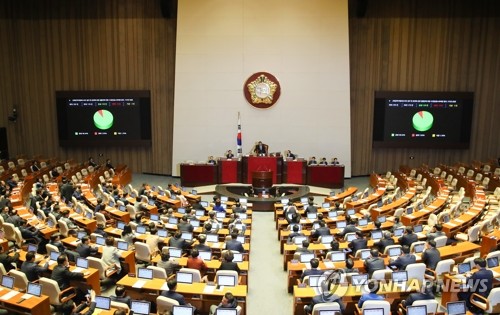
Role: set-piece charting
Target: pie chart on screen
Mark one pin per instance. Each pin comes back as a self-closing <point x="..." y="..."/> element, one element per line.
<point x="422" y="121"/>
<point x="103" y="119"/>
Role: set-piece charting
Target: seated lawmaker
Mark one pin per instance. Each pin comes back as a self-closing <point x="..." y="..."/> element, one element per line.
<point x="229" y="154"/>
<point x="260" y="148"/>
<point x="312" y="161"/>
<point x="335" y="161"/>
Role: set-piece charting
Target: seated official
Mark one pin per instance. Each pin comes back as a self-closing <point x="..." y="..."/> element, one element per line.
<point x="172" y="294"/>
<point x="314" y="271"/>
<point x="218" y="206"/>
<point x="211" y="160"/>
<point x="63" y="277"/>
<point x="290" y="155"/>
<point x="404" y="260"/>
<point x="326" y="296"/>
<point x="295" y="232"/>
<point x="408" y="237"/>
<point x="234" y="244"/>
<point x="32" y="270"/>
<point x="436" y="231"/>
<point x="201" y="246"/>
<point x="374" y="262"/>
<point x="323" y="161"/>
<point x="84" y="249"/>
<point x="195" y="262"/>
<point x="229" y="154"/>
<point x="228" y="301"/>
<point x="312" y="161"/>
<point x="120" y="295"/>
<point x="227" y="262"/>
<point x="321" y="231"/>
<point x="8" y="261"/>
<point x="170" y="266"/>
<point x="178" y="242"/>
<point x="431" y="255"/>
<point x="358" y="243"/>
<point x="480" y="282"/>
<point x="372" y="295"/>
<point x="260" y="148"/>
<point x="349" y="266"/>
<point x="304" y="248"/>
<point x="424" y="294"/>
<point x="335" y="161"/>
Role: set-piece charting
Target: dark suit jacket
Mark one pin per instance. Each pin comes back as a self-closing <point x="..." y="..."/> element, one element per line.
<point x="123" y="299"/>
<point x="408" y="239"/>
<point x="312" y="272"/>
<point x="350" y="228"/>
<point x="226" y="265"/>
<point x="482" y="281"/>
<point x="357" y="244"/>
<point x="372" y="264"/>
<point x="431" y="257"/>
<point x="202" y="247"/>
<point x="178" y="243"/>
<point x="85" y="250"/>
<point x="235" y="245"/>
<point x="82" y="306"/>
<point x="383" y="243"/>
<point x="402" y="261"/>
<point x="174" y="296"/>
<point x="7" y="260"/>
<point x="321" y="231"/>
<point x="63" y="276"/>
<point x="32" y="270"/>
<point x="418" y="296"/>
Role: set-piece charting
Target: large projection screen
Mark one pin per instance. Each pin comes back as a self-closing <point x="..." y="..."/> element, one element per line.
<point x="304" y="44"/>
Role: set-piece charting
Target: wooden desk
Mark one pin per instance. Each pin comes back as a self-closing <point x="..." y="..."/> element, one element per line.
<point x="329" y="176"/>
<point x="34" y="305"/>
<point x="466" y="219"/>
<point x="200" y="295"/>
<point x="365" y="202"/>
<point x="198" y="174"/>
<point x="295" y="172"/>
<point x="436" y="205"/>
<point x="490" y="242"/>
<point x="390" y="208"/>
<point x="229" y="171"/>
<point x="341" y="196"/>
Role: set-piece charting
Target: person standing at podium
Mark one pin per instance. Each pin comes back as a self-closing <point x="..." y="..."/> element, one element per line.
<point x="260" y="148"/>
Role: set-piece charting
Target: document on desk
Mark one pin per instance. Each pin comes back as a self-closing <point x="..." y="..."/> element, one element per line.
<point x="329" y="265"/>
<point x="164" y="287"/>
<point x="139" y="284"/>
<point x="26" y="296"/>
<point x="209" y="289"/>
<point x="459" y="221"/>
<point x="9" y="295"/>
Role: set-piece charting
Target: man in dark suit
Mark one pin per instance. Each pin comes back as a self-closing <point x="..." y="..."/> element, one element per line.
<point x="201" y="246"/>
<point x="312" y="161"/>
<point x="322" y="230"/>
<point x="409" y="237"/>
<point x="351" y="226"/>
<point x="84" y="249"/>
<point x="295" y="232"/>
<point x="62" y="275"/>
<point x="304" y="248"/>
<point x="374" y="262"/>
<point x="6" y="260"/>
<point x="404" y="260"/>
<point x="358" y="243"/>
<point x="177" y="241"/>
<point x="67" y="190"/>
<point x="479" y="282"/>
<point x="384" y="242"/>
<point x="289" y="154"/>
<point x="260" y="149"/>
<point x="311" y="208"/>
<point x="314" y="271"/>
<point x="227" y="262"/>
<point x="436" y="231"/>
<point x="120" y="295"/>
<point x="234" y="244"/>
<point x="431" y="255"/>
<point x="171" y="294"/>
<point x="424" y="294"/>
<point x="32" y="269"/>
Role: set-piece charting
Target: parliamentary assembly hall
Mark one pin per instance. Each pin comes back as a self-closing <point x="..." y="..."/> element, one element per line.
<point x="245" y="157"/>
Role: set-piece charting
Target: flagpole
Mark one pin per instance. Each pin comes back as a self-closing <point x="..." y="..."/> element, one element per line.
<point x="238" y="137"/>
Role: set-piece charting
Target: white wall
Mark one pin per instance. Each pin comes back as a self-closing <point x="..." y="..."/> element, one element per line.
<point x="304" y="43"/>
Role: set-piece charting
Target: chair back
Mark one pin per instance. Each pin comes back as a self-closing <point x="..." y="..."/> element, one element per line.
<point x="416" y="271"/>
<point x="371" y="304"/>
<point x="195" y="272"/>
<point x="334" y="306"/>
<point x="63" y="228"/>
<point x="431" y="305"/>
<point x="20" y="280"/>
<point x="51" y="289"/>
<point x="379" y="274"/>
<point x="473" y="233"/>
<point x="9" y="231"/>
<point x="120" y="306"/>
<point x="158" y="272"/>
<point x="142" y="251"/>
<point x="231" y="273"/>
<point x="444" y="266"/>
<point x="51" y="248"/>
<point x="100" y="218"/>
<point x="99" y="265"/>
<point x="3" y="272"/>
<point x="165" y="304"/>
<point x="441" y="241"/>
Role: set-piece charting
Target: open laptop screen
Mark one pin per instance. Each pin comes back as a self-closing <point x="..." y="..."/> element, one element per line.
<point x="204" y="203"/>
<point x="226" y="280"/>
<point x="226" y="311"/>
<point x="418" y="248"/>
<point x="315" y="281"/>
<point x="337" y="256"/>
<point x="34" y="289"/>
<point x="359" y="279"/>
<point x="418" y="228"/>
<point x="212" y="238"/>
<point x="175" y="252"/>
<point x="456" y="308"/>
<point x="140" y="307"/>
<point x="416" y="310"/>
<point x="492" y="262"/>
<point x="82" y="263"/>
<point x="326" y="239"/>
<point x="100" y="240"/>
<point x="238" y="257"/>
<point x="206" y="255"/>
<point x="103" y="302"/>
<point x="341" y="224"/>
<point x="373" y="311"/>
<point x="184" y="277"/>
<point x="145" y="273"/>
<point x="464" y="267"/>
<point x="306" y="257"/>
<point x="182" y="310"/>
<point x="32" y="248"/>
<point x="399" y="276"/>
<point x="325" y="205"/>
<point x="376" y="235"/>
<point x="399" y="232"/>
<point x="395" y="251"/>
<point x="8" y="282"/>
<point x="54" y="255"/>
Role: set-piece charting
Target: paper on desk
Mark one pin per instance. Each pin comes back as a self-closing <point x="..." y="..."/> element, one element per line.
<point x="26" y="296"/>
<point x="308" y="265"/>
<point x="139" y="284"/>
<point x="78" y="269"/>
<point x="451" y="224"/>
<point x="329" y="265"/>
<point x="215" y="245"/>
<point x="459" y="221"/>
<point x="209" y="289"/>
<point x="9" y="295"/>
<point x="52" y="262"/>
<point x="164" y="287"/>
<point x="470" y="213"/>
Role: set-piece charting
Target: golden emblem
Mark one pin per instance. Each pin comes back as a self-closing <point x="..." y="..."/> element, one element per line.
<point x="262" y="90"/>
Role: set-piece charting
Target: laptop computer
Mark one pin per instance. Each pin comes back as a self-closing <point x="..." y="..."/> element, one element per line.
<point x="418" y="228"/>
<point x="122" y="208"/>
<point x="100" y="240"/>
<point x="350" y="237"/>
<point x="32" y="248"/>
<point x="145" y="273"/>
<point x="82" y="263"/>
<point x="456" y="308"/>
<point x="332" y="214"/>
<point x="226" y="311"/>
<point x="341" y="224"/>
<point x="111" y="203"/>
<point x="34" y="289"/>
<point x="312" y="216"/>
<point x="220" y="215"/>
<point x="151" y="202"/>
<point x="187" y="236"/>
<point x="241" y="239"/>
<point x="224" y="199"/>
<point x="161" y="193"/>
<point x="365" y="254"/>
<point x="492" y="262"/>
<point x="81" y="234"/>
<point x="103" y="302"/>
<point x="122" y="245"/>
<point x="206" y="255"/>
<point x="416" y="310"/>
<point x="204" y="204"/>
<point x="200" y="213"/>
<point x="212" y="238"/>
<point x="362" y="222"/>
<point x="7" y="282"/>
<point x="399" y="232"/>
<point x="175" y="252"/>
<point x="238" y="257"/>
<point x="184" y="277"/>
<point x="326" y="239"/>
<point x="140" y="229"/>
<point x="325" y="205"/>
<point x="382" y="219"/>
<point x="297" y="240"/>
<point x="399" y="276"/>
<point x="195" y="223"/>
<point x="409" y="210"/>
<point x="243" y="201"/>
<point x="181" y="210"/>
<point x="54" y="255"/>
<point x="351" y="211"/>
<point x="285" y="201"/>
<point x="140" y="307"/>
<point x="463" y="268"/>
<point x="419" y="248"/>
<point x="360" y="279"/>
<point x="337" y="256"/>
<point x="373" y="311"/>
<point x="154" y="217"/>
<point x="376" y="235"/>
<point x="194" y="192"/>
<point x="226" y="280"/>
<point x="315" y="280"/>
<point x="306" y="257"/>
<point x="182" y="310"/>
<point x="162" y="233"/>
<point x="394" y="252"/>
<point x="173" y="220"/>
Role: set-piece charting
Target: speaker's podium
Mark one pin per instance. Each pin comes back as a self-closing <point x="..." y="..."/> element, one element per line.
<point x="272" y="164"/>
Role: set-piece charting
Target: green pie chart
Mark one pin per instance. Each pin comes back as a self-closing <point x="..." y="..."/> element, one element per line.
<point x="422" y="121"/>
<point x="103" y="119"/>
